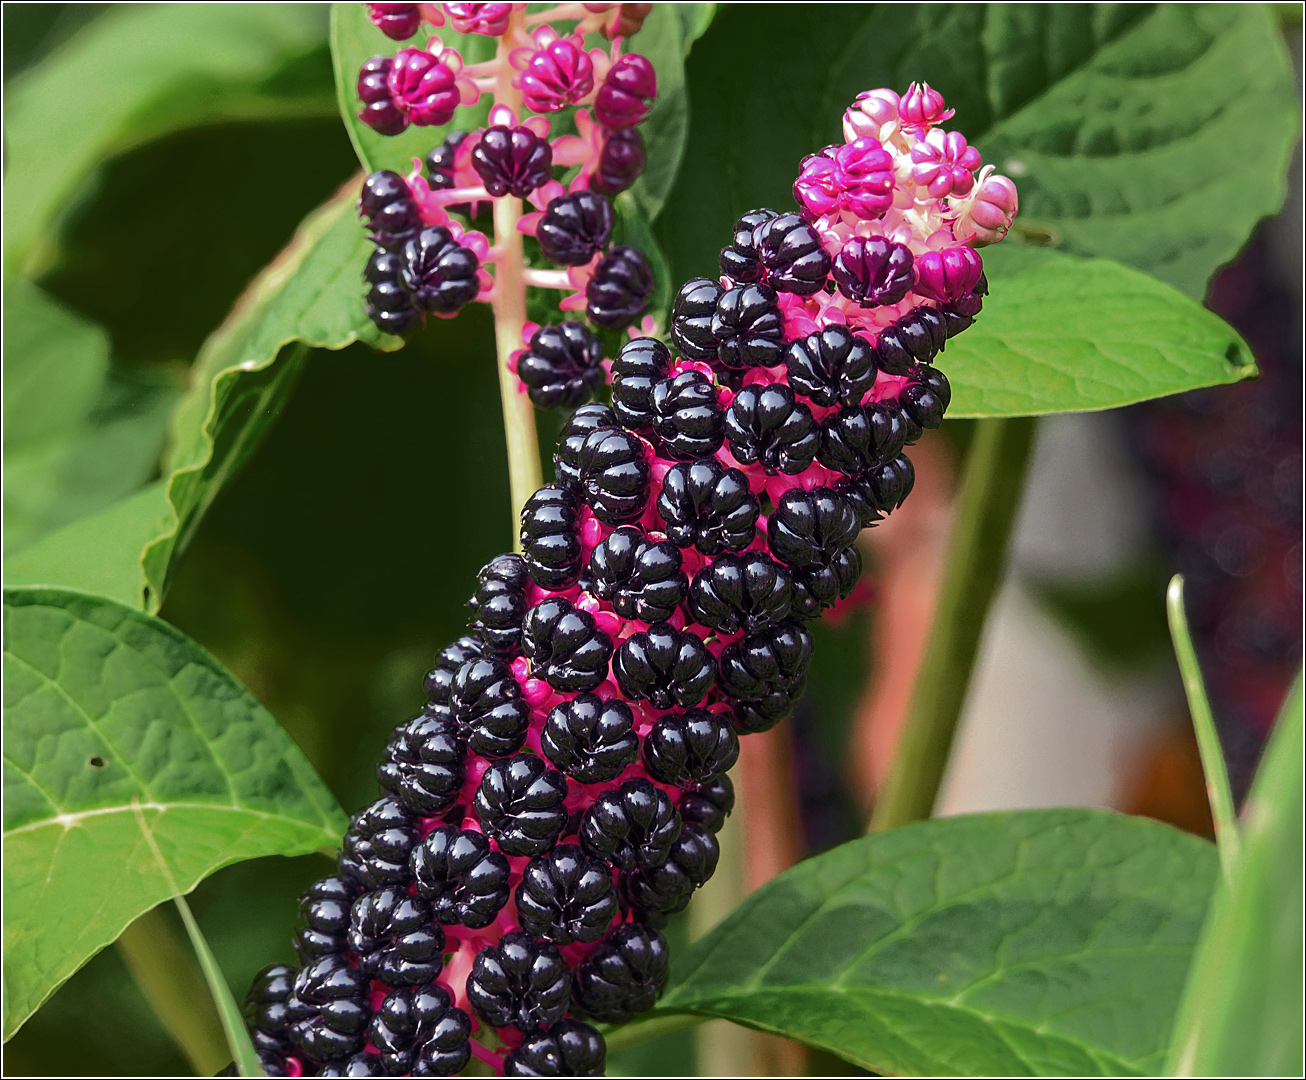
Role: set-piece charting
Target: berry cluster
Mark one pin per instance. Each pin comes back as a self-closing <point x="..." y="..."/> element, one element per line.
<point x="427" y="262"/>
<point x="559" y="796"/>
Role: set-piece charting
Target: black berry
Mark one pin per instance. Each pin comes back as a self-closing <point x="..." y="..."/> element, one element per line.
<point x="439" y="680"/>
<point x="740" y="592"/>
<point x="881" y="490"/>
<point x="566" y="896"/>
<point x="624" y="974"/>
<point x="499" y="604"/>
<point x="387" y="303"/>
<point x="766" y="426"/>
<point x="620" y="289"/>
<point x="740" y="260"/>
<point x="792" y="253"/>
<point x="564" y="646"/>
<point x="748" y="327"/>
<point x="926" y="397"/>
<point x="634" y="825"/>
<point x="567" y="1048"/>
<point x="265" y="1007"/>
<point x="420" y="1031"/>
<point x="423" y="767"/>
<point x="378" y="842"/>
<point x="440" y="161"/>
<point x="655" y="892"/>
<point x="687" y="418"/>
<point x="708" y="804"/>
<point x="708" y="506"/>
<point x="612" y="475"/>
<point x="519" y="982"/>
<point x="579" y="426"/>
<point x="328" y="1009"/>
<point x="640" y="577"/>
<point x="325" y="908"/>
<point x="512" y="161"/>
<point x="620" y="162"/>
<point x="520" y="804"/>
<point x="831" y="367"/>
<point x="765" y="674"/>
<point x="395" y="939"/>
<point x="690" y="748"/>
<point x="640" y="365"/>
<point x="390" y="209"/>
<point x="465" y="880"/>
<point x="590" y="739"/>
<point x="488" y="707"/>
<point x="667" y="666"/>
<point x="860" y="437"/>
<point x="438" y="272"/>
<point x="815" y="532"/>
<point x="917" y="336"/>
<point x="575" y="228"/>
<point x="563" y="367"/>
<point x="691" y="319"/>
<point x="550" y="537"/>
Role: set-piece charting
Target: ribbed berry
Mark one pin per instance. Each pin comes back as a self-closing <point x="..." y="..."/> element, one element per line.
<point x="465" y="881"/>
<point x="512" y="161"/>
<point x="490" y="20"/>
<point x="578" y="427"/>
<point x="690" y="748"/>
<point x="563" y="367"/>
<point x="925" y="399"/>
<point x="328" y="1009"/>
<point x="265" y="1007"/>
<point x="655" y="892"/>
<point x="420" y="1032"/>
<point x="564" y="646"/>
<point x="792" y="253"/>
<point x="590" y="739"/>
<point x="395" y="939"/>
<point x="575" y="228"/>
<point x="641" y="365"/>
<point x="488" y="706"/>
<point x="439" y="680"/>
<point x="378" y="842"/>
<point x="917" y="336"/>
<point x="387" y="303"/>
<point x="380" y="112"/>
<point x="765" y="674"/>
<point x="620" y="289"/>
<point x="620" y="162"/>
<point x="815" y="532"/>
<point x="519" y="982"/>
<point x="520" y="805"/>
<point x="623" y="99"/>
<point x="766" y="426"/>
<point x="635" y="825"/>
<point x="881" y="490"/>
<point x="440" y="161"/>
<point x="566" y="896"/>
<point x="708" y="804"/>
<point x="641" y="578"/>
<point x="873" y="271"/>
<point x="396" y="21"/>
<point x="438" y="272"/>
<point x="740" y="592"/>
<point x="624" y="974"/>
<point x="687" y="418"/>
<point x="708" y="506"/>
<point x="558" y="73"/>
<point x="423" y="767"/>
<point x="357" y="1065"/>
<point x="691" y="319"/>
<point x="567" y="1048"/>
<point x="325" y="908"/>
<point x="499" y="603"/>
<point x="831" y="367"/>
<point x="423" y="88"/>
<point x="550" y="539"/>
<point x="748" y="327"/>
<point x="667" y="666"/>
<point x="391" y="212"/>
<point x="862" y="437"/>
<point x="612" y="475"/>
<point x="740" y="260"/>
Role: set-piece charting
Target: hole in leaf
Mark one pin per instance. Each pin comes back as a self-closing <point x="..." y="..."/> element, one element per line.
<point x="98" y="762"/>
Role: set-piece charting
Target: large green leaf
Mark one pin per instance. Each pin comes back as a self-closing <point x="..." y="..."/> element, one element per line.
<point x="311" y="294"/>
<point x="134" y="765"/>
<point x="1242" y="1011"/>
<point x="1064" y="334"/>
<point x="1119" y="119"/>
<point x="139" y="72"/>
<point x="1047" y="942"/>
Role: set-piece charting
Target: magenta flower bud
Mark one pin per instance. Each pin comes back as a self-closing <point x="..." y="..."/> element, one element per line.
<point x="873" y="271"/>
<point x="948" y="274"/>
<point x="991" y="213"/>
<point x="626" y="19"/>
<point x="857" y="177"/>
<point x="423" y="88"/>
<point x="397" y="21"/>
<point x="557" y="75"/>
<point x="867" y="115"/>
<point x="923" y="106"/>
<point x="626" y="93"/>
<point x="380" y="112"/>
<point x="488" y="19"/>
<point x="945" y="164"/>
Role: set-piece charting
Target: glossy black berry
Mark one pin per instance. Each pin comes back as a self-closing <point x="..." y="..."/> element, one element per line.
<point x="690" y="748"/>
<point x="567" y="1048"/>
<point x="519" y="982"/>
<point x="766" y="426"/>
<point x="873" y="271"/>
<point x="265" y="1007"/>
<point x="691" y="319"/>
<point x="380" y="112"/>
<point x="667" y="666"/>
<point x="624" y="974"/>
<point x="360" y="1064"/>
<point x="831" y="367"/>
<point x="520" y="805"/>
<point x="420" y="1032"/>
<point x="590" y="739"/>
<point x="438" y="272"/>
<point x="916" y="337"/>
<point x="378" y="842"/>
<point x="328" y="1009"/>
<point x="574" y="228"/>
<point x="880" y="490"/>
<point x="766" y="673"/>
<point x="387" y="303"/>
<point x="621" y="161"/>
<point x="563" y="367"/>
<point x="634" y="825"/>
<point x="566" y="896"/>
<point x="640" y="577"/>
<point x="512" y="161"/>
<point x="740" y="260"/>
<point x="925" y="399"/>
<point x="792" y="253"/>
<point x="612" y="475"/>
<point x="390" y="210"/>
<point x="641" y="365"/>
<point x="439" y="680"/>
<point x="571" y="440"/>
<point x="423" y="766"/>
<point x="959" y="314"/>
<point x="687" y="418"/>
<point x="815" y="532"/>
<point x="440" y="161"/>
<point x="488" y="706"/>
<point x="499" y="603"/>
<point x="708" y="506"/>
<point x="859" y="437"/>
<point x="550" y="537"/>
<point x="465" y="881"/>
<point x="325" y="908"/>
<point x="565" y="647"/>
<point x="748" y="327"/>
<point x="655" y="892"/>
<point x="619" y="291"/>
<point x="740" y="592"/>
<point x="708" y="804"/>
<point x="395" y="939"/>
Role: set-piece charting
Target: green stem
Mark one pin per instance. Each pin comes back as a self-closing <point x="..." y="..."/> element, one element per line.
<point x="637" y="1031"/>
<point x="1223" y="814"/>
<point x="991" y="489"/>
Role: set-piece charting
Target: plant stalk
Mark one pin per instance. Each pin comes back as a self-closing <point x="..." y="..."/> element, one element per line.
<point x="990" y="494"/>
<point x="509" y="305"/>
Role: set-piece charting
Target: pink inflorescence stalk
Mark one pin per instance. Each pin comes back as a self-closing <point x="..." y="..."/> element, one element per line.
<point x="560" y="795"/>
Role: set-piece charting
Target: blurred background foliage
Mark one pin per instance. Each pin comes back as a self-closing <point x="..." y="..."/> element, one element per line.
<point x="336" y="563"/>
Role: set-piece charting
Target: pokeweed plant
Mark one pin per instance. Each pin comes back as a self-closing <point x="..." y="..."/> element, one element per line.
<point x="559" y="796"/>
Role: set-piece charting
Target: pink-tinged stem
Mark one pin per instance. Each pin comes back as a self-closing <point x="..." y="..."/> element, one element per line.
<point x="546" y="279"/>
<point x="485" y="1054"/>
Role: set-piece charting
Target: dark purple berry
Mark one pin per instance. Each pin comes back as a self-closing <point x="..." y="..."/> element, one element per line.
<point x="329" y="1009"/>
<point x="873" y="271"/>
<point x="815" y="532"/>
<point x="916" y="337"/>
<point x="574" y="228"/>
<point x="860" y="437"/>
<point x="641" y="578"/>
<point x="438" y="272"/>
<point x="624" y="974"/>
<point x="590" y="739"/>
<point x="740" y="592"/>
<point x="691" y="319"/>
<point x="420" y="1032"/>
<point x="567" y="1048"/>
<point x="690" y="748"/>
<point x="580" y="424"/>
<point x="440" y="161"/>
<point x="708" y="506"/>
<point x="926" y="397"/>
<point x="378" y="842"/>
<point x="488" y="706"/>
<point x="831" y="367"/>
<point x="439" y="680"/>
<point x="687" y="418"/>
<point x="766" y="426"/>
<point x="512" y="161"/>
<point x="265" y="1006"/>
<point x="640" y="366"/>
<point x="391" y="212"/>
<point x="423" y="767"/>
<point x="792" y="253"/>
<point x="622" y="100"/>
<point x="395" y="939"/>
<point x="564" y="646"/>
<point x="634" y="825"/>
<point x="655" y="892"/>
<point x="325" y="908"/>
<point x="499" y="604"/>
<point x="667" y="666"/>
<point x="387" y="303"/>
<point x="708" y="804"/>
<point x="550" y="537"/>
<point x="563" y="367"/>
<point x="881" y="490"/>
<point x="357" y="1065"/>
<point x="748" y="327"/>
<point x="620" y="162"/>
<point x="464" y="880"/>
<point x="380" y="112"/>
<point x="619" y="291"/>
<point x="566" y="896"/>
<point x="398" y="22"/>
<point x="520" y="805"/>
<point x="612" y="475"/>
<point x="740" y="260"/>
<point x="765" y="674"/>
<point x="519" y="982"/>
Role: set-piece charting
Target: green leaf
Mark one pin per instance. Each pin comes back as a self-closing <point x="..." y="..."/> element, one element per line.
<point x="311" y="294"/>
<point x="1062" y="334"/>
<point x="1044" y="942"/>
<point x="1118" y="118"/>
<point x="1242" y="1008"/>
<point x="137" y="73"/>
<point x="135" y="765"/>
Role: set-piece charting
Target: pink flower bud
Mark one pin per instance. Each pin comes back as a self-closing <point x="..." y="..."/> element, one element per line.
<point x="488" y="19"/>
<point x="558" y="74"/>
<point x="857" y="178"/>
<point x="991" y="213"/>
<point x="867" y="116"/>
<point x="624" y="97"/>
<point x="423" y="88"/>
<point x="944" y="163"/>
<point x="945" y="275"/>
<point x="923" y="107"/>
<point x="397" y="21"/>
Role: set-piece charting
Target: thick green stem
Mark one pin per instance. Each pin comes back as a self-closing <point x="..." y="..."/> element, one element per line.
<point x="985" y="512"/>
<point x="524" y="472"/>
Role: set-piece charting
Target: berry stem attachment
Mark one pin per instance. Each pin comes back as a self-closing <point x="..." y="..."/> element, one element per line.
<point x="509" y="304"/>
<point x="990" y="495"/>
